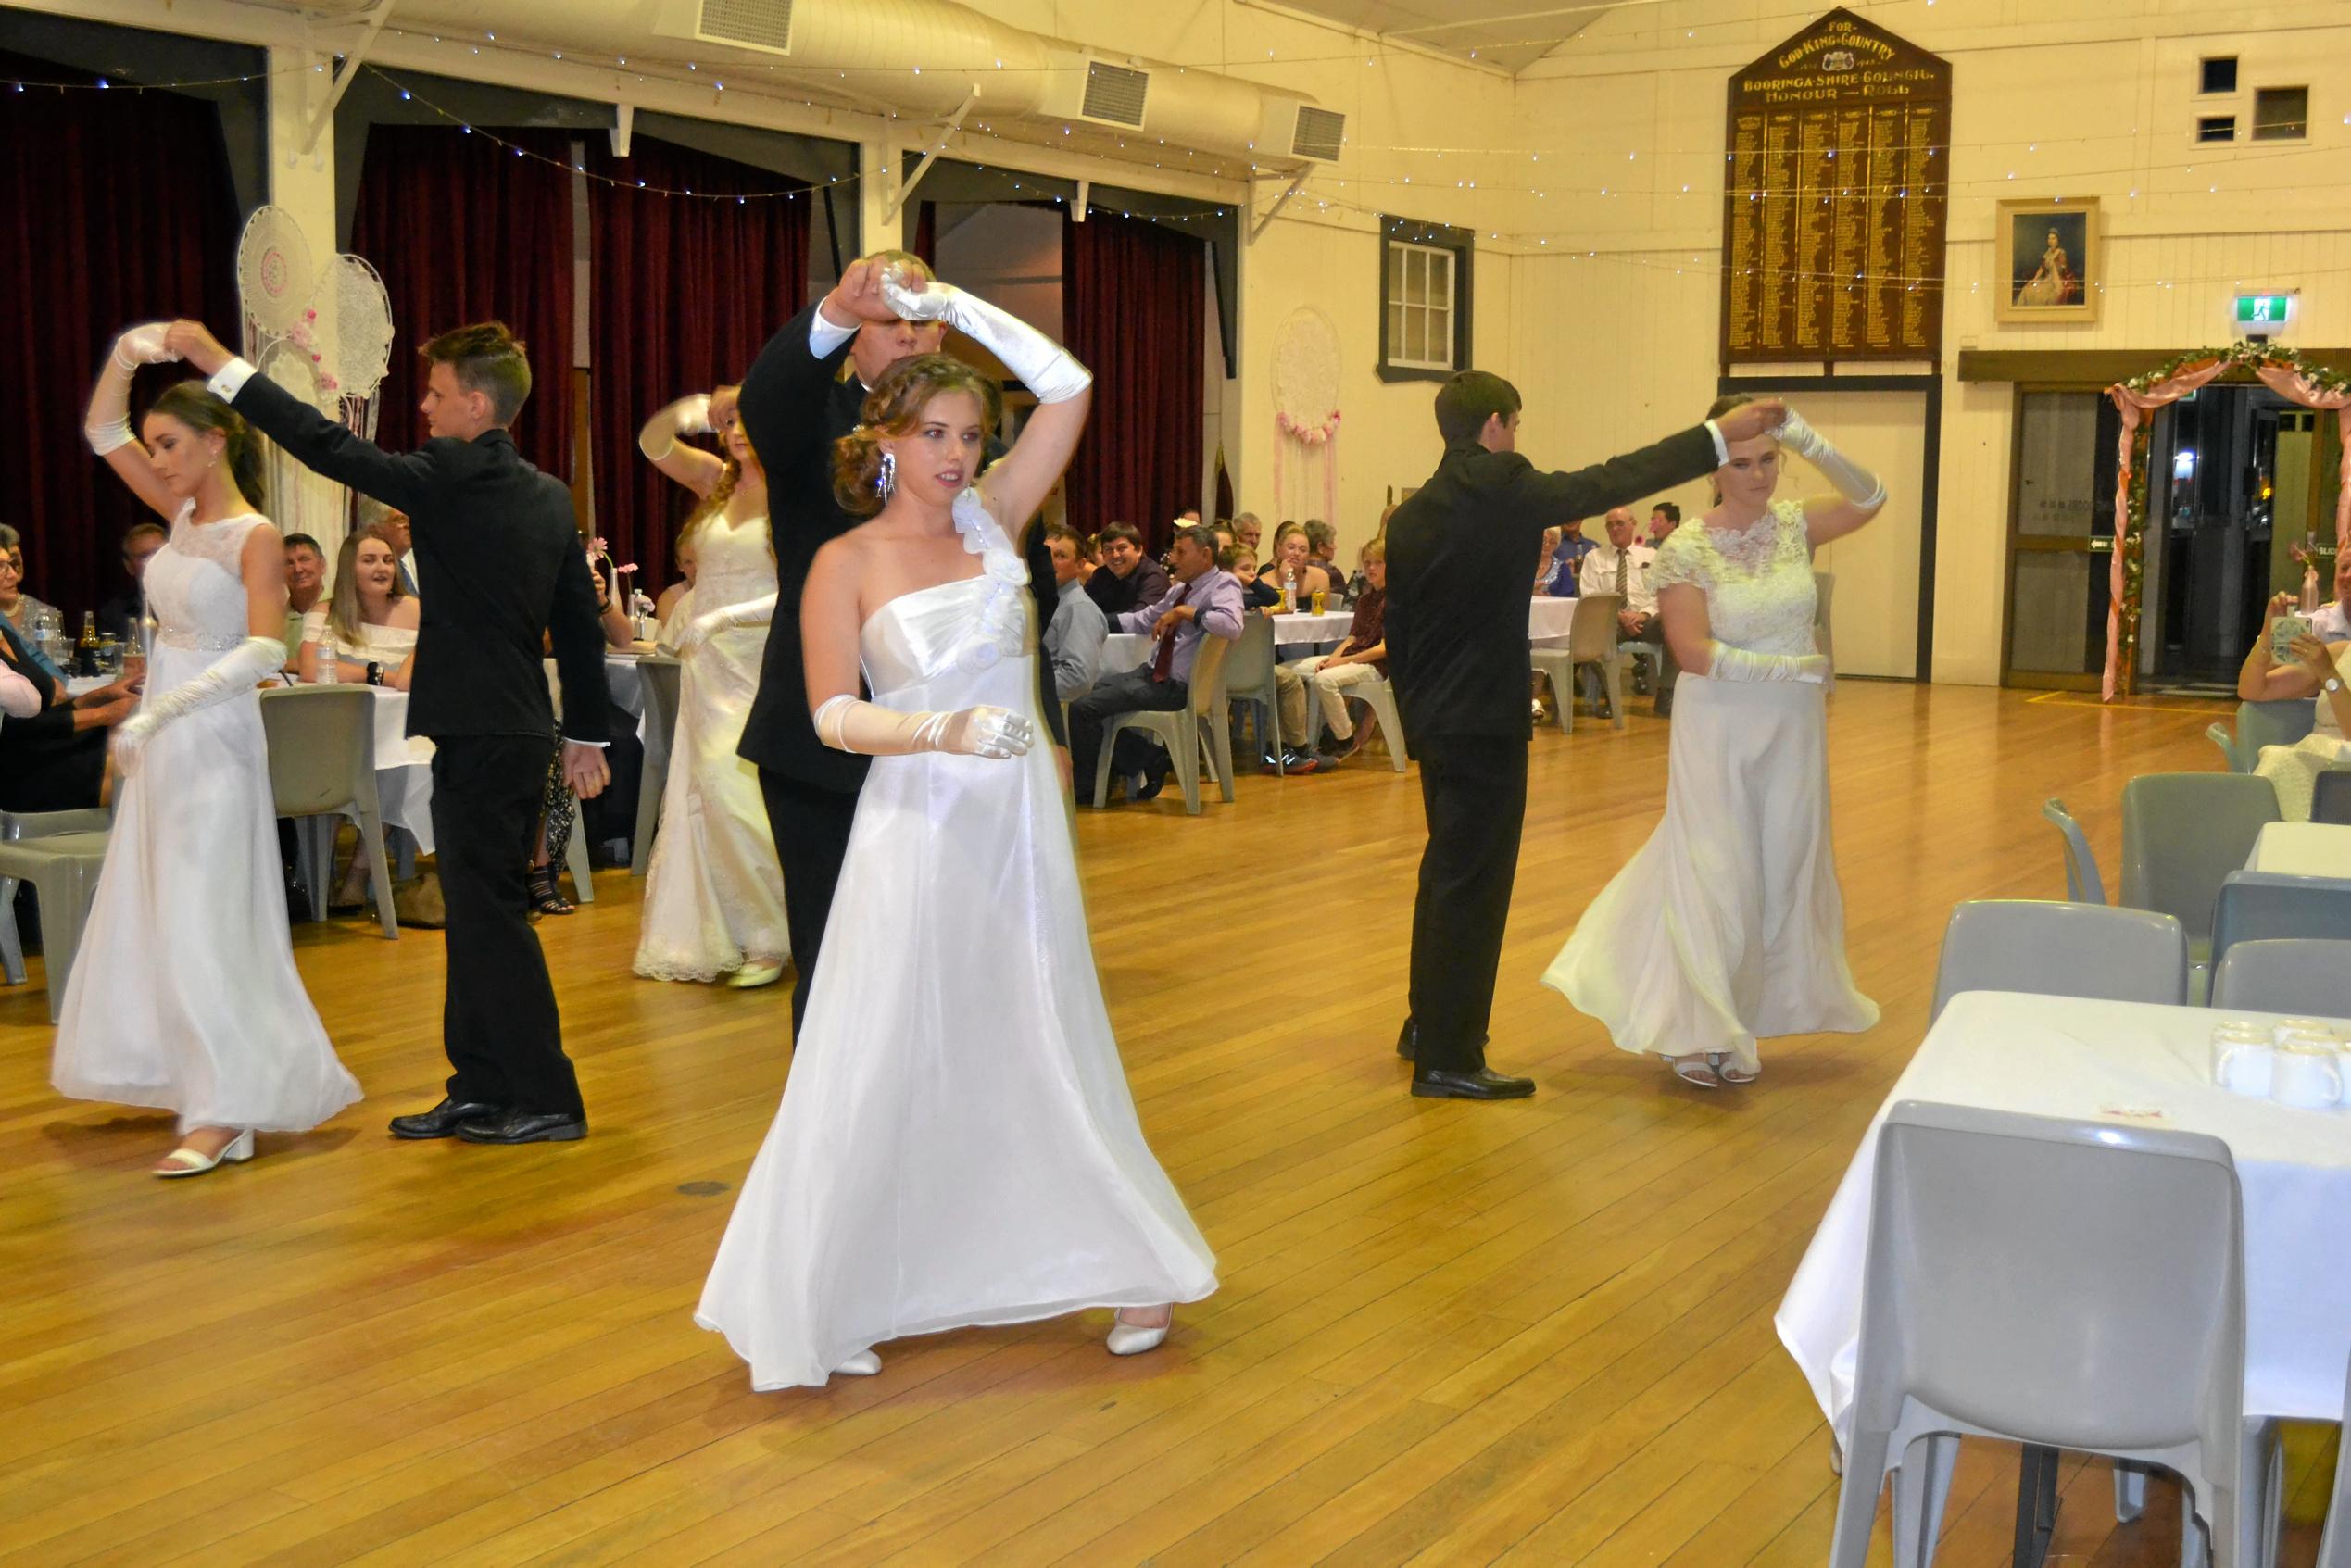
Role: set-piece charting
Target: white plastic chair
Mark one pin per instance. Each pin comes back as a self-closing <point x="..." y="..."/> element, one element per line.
<point x="2334" y="1547"/>
<point x="2183" y="834"/>
<point x="1381" y="697"/>
<point x="659" y="677"/>
<point x="2075" y="1284"/>
<point x="1193" y="733"/>
<point x="1249" y="677"/>
<point x="63" y="869"/>
<point x="1591" y="639"/>
<point x="2084" y="884"/>
<point x="322" y="744"/>
<point x="16" y="827"/>
<point x="2051" y="949"/>
<point x="2310" y="977"/>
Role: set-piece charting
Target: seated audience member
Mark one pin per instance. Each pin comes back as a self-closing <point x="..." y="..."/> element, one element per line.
<point x="1256" y="593"/>
<point x="1322" y="547"/>
<point x="55" y="759"/>
<point x="391" y="525"/>
<point x="1573" y="548"/>
<point x="1203" y="602"/>
<point x="1294" y="570"/>
<point x="1623" y="567"/>
<point x="1362" y="656"/>
<point x="305" y="585"/>
<point x="368" y="626"/>
<point x="1073" y="639"/>
<point x="1663" y="518"/>
<point x="1130" y="579"/>
<point x="119" y="616"/>
<point x="687" y="558"/>
<point x="2311" y="661"/>
<point x="1548" y="566"/>
<point x="15" y="605"/>
<point x="1249" y="534"/>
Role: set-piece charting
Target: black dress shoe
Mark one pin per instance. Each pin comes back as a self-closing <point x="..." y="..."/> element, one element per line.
<point x="1485" y="1084"/>
<point x="530" y="1126"/>
<point x="1153" y="781"/>
<point x="1407" y="1038"/>
<point x="441" y="1122"/>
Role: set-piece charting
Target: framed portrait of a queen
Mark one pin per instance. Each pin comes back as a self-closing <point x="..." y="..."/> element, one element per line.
<point x="2047" y="262"/>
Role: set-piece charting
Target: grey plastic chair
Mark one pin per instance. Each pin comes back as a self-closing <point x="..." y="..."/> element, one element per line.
<point x="2331" y="796"/>
<point x="659" y="677"/>
<point x="16" y="827"/>
<point x="2262" y="724"/>
<point x="1196" y="733"/>
<point x="2256" y="905"/>
<point x="2084" y="884"/>
<point x="2183" y="834"/>
<point x="1381" y="697"/>
<point x="2334" y="1547"/>
<point x="1591" y="639"/>
<point x="2006" y="1294"/>
<point x="322" y="741"/>
<point x="1249" y="677"/>
<point x="2307" y="976"/>
<point x="63" y="869"/>
<point x="2051" y="949"/>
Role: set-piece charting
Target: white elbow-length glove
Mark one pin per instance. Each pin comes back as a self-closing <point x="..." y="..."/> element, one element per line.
<point x="687" y="416"/>
<point x="847" y="723"/>
<point x="109" y="427"/>
<point x="1727" y="664"/>
<point x="1043" y="366"/>
<point x="244" y="666"/>
<point x="1854" y="482"/>
<point x="702" y="628"/>
<point x="19" y="698"/>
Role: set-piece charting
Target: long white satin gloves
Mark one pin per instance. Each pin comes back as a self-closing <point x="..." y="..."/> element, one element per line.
<point x="847" y="723"/>
<point x="1727" y="664"/>
<point x="1854" y="482"/>
<point x="687" y="416"/>
<point x="702" y="628"/>
<point x="108" y="426"/>
<point x="245" y="667"/>
<point x="1043" y="366"/>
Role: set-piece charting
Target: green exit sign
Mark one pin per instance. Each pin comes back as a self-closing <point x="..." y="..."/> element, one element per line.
<point x="2264" y="309"/>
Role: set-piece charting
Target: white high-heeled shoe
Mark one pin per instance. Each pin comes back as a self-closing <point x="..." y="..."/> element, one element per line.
<point x="188" y="1163"/>
<point x="753" y="976"/>
<point x="1133" y="1339"/>
<point x="865" y="1364"/>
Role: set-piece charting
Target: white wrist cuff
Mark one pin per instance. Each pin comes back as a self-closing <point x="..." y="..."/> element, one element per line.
<point x="230" y="380"/>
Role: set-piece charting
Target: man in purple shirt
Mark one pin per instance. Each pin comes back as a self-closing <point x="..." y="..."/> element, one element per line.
<point x="1202" y="602"/>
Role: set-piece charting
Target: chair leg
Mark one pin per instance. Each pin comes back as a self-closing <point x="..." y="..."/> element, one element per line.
<point x="1922" y="1488"/>
<point x="1217" y="747"/>
<point x="1186" y="756"/>
<point x="65" y="903"/>
<point x="1857" y="1497"/>
<point x="314" y="861"/>
<point x="575" y="860"/>
<point x="2130" y="1490"/>
<point x="1611" y="678"/>
<point x="1102" y="766"/>
<point x="371" y="846"/>
<point x="11" y="941"/>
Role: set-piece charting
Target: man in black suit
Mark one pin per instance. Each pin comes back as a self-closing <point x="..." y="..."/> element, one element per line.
<point x="795" y="403"/>
<point x="497" y="539"/>
<point x="1458" y="553"/>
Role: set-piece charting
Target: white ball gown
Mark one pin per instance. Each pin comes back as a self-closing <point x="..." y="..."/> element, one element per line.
<point x="714" y="892"/>
<point x="957" y="1144"/>
<point x="1728" y="924"/>
<point x="183" y="994"/>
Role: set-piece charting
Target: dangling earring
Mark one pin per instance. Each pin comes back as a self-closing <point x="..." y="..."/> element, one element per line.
<point x="887" y="481"/>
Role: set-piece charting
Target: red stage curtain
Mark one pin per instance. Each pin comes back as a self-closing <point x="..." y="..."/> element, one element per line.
<point x="1134" y="301"/>
<point x="683" y="290"/>
<point x="102" y="236"/>
<point x="464" y="232"/>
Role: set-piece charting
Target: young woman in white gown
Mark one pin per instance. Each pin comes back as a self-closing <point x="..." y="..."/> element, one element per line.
<point x="714" y="892"/>
<point x="957" y="1144"/>
<point x="183" y="994"/>
<point x="1728" y="924"/>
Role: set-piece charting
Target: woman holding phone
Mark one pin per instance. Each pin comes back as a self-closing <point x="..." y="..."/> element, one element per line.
<point x="2299" y="655"/>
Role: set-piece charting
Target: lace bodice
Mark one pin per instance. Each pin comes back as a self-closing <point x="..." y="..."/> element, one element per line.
<point x="193" y="586"/>
<point x="1758" y="581"/>
<point x="736" y="563"/>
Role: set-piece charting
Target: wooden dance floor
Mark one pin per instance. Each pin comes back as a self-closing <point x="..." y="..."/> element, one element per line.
<point x="1536" y="1333"/>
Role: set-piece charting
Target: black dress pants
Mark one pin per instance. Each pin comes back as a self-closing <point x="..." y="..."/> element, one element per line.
<point x="1473" y="789"/>
<point x="810" y="825"/>
<point x="499" y="1021"/>
<point x="1129" y="691"/>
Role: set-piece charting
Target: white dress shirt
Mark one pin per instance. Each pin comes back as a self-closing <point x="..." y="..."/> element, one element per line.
<point x="1609" y="570"/>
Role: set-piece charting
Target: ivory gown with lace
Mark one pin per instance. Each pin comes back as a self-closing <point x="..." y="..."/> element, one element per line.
<point x="183" y="994"/>
<point x="1728" y="924"/>
<point x="957" y="1144"/>
<point x="714" y="895"/>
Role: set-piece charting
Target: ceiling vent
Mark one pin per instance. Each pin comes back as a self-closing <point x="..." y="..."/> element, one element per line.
<point x="764" y="25"/>
<point x="1115" y="94"/>
<point x="1319" y="133"/>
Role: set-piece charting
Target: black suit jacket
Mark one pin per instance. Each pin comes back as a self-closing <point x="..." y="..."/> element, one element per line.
<point x="1460" y="555"/>
<point x="496" y="538"/>
<point x="795" y="406"/>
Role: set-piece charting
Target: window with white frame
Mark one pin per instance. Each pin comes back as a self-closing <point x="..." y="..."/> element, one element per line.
<point x="1420" y="306"/>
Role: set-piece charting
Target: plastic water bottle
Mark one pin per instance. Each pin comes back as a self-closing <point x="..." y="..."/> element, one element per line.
<point x="1289" y="590"/>
<point x="329" y="667"/>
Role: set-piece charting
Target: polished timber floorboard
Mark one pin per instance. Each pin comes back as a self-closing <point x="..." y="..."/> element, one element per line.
<point x="1536" y="1333"/>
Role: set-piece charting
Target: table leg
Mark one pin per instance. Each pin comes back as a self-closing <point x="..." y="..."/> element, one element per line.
<point x="2036" y="1505"/>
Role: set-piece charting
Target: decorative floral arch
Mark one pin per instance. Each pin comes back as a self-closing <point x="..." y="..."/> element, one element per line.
<point x="2281" y="370"/>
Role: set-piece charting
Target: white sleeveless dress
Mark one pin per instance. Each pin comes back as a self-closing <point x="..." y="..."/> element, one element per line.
<point x="957" y="1144"/>
<point x="714" y="893"/>
<point x="183" y="994"/>
<point x="1728" y="924"/>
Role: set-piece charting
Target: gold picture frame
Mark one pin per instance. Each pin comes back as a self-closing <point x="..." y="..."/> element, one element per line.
<point x="2050" y="266"/>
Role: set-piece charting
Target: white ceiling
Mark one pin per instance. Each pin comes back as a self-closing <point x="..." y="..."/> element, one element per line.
<point x="1513" y="34"/>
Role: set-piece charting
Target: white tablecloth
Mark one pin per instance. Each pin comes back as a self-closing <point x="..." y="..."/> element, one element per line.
<point x="2057" y="1056"/>
<point x="2302" y="848"/>
<point x="1547" y="619"/>
<point x="402" y="769"/>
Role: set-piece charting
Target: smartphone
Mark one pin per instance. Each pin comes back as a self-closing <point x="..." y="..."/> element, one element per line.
<point x="2281" y="635"/>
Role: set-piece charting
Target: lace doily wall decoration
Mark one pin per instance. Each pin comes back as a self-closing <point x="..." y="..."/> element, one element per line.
<point x="1306" y="403"/>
